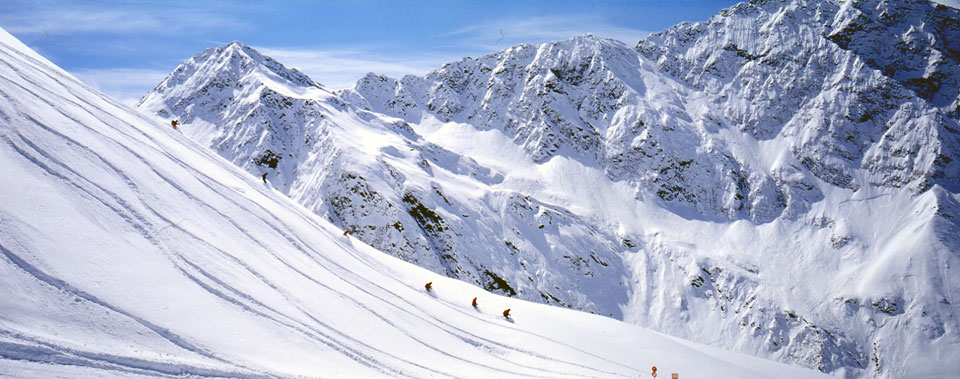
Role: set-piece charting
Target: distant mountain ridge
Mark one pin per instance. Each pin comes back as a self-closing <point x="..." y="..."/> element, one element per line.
<point x="781" y="179"/>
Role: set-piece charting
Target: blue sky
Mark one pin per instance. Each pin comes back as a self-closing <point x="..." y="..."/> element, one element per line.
<point x="126" y="48"/>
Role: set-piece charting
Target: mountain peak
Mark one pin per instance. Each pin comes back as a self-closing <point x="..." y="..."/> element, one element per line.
<point x="240" y="59"/>
<point x="238" y="44"/>
<point x="241" y="51"/>
<point x="589" y="37"/>
<point x="236" y="60"/>
<point x="588" y="41"/>
<point x="226" y="70"/>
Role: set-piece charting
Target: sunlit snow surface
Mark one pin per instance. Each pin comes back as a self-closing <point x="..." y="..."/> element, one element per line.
<point x="126" y="249"/>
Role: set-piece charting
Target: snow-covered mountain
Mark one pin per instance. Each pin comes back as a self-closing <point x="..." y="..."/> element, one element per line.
<point x="378" y="178"/>
<point x="781" y="179"/>
<point x="126" y="250"/>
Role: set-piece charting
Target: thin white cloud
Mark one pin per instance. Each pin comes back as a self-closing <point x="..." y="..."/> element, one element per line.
<point x="127" y="85"/>
<point x="341" y="68"/>
<point x="498" y="34"/>
<point x="71" y="20"/>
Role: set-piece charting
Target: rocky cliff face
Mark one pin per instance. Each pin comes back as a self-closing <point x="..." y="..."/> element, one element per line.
<point x="781" y="179"/>
<point x="864" y="91"/>
<point x="595" y="101"/>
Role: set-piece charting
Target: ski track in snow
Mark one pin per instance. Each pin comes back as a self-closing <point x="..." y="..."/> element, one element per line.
<point x="134" y="220"/>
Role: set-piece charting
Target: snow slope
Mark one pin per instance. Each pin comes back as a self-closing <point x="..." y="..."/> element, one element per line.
<point x="779" y="180"/>
<point x="127" y="250"/>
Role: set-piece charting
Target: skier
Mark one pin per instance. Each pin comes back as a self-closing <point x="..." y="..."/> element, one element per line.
<point x="429" y="286"/>
<point x="174" y="123"/>
<point x="506" y="313"/>
<point x="474" y="302"/>
<point x="264" y="177"/>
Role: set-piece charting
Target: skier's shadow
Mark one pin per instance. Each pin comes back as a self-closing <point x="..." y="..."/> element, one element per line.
<point x="476" y="308"/>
